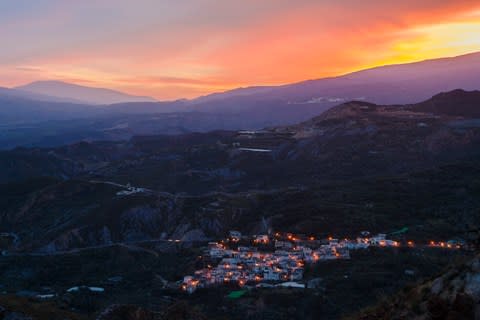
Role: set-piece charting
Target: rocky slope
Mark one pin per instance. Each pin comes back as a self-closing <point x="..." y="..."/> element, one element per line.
<point x="453" y="295"/>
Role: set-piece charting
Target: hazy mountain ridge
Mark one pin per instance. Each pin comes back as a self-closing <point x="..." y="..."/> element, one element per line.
<point x="400" y="83"/>
<point x="26" y="95"/>
<point x="15" y="110"/>
<point x="82" y="94"/>
<point x="258" y="107"/>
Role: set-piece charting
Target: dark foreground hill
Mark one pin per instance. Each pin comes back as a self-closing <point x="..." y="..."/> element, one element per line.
<point x="453" y="295"/>
<point x="455" y="103"/>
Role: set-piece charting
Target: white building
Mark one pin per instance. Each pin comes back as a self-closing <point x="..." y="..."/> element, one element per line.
<point x="263" y="238"/>
<point x="235" y="235"/>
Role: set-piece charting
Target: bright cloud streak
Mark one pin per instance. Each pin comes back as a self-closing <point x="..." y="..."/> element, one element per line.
<point x="173" y="49"/>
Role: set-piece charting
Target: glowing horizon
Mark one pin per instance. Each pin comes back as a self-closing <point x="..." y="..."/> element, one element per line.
<point x="171" y="50"/>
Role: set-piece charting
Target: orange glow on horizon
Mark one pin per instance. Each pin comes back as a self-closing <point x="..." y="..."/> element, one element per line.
<point x="281" y="43"/>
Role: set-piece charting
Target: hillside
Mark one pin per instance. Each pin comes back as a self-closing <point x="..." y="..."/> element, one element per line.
<point x="452" y="295"/>
<point x="202" y="184"/>
<point x="132" y="215"/>
<point x="456" y="103"/>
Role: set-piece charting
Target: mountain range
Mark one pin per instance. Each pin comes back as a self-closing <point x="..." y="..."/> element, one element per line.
<point x="80" y="94"/>
<point x="33" y="105"/>
<point x="400" y="83"/>
<point x="207" y="183"/>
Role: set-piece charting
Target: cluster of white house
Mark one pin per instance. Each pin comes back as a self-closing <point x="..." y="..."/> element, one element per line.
<point x="283" y="262"/>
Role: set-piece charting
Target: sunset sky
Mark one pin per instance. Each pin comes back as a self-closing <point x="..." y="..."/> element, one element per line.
<point x="185" y="48"/>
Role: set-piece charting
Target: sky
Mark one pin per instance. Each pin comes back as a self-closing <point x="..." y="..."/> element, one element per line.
<point x="171" y="49"/>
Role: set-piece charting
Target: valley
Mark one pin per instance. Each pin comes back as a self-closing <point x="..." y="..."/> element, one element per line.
<point x="133" y="216"/>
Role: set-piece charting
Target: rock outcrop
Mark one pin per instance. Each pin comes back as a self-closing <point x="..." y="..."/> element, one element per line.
<point x="453" y="295"/>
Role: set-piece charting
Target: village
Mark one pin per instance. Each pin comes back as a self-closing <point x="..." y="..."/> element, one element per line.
<point x="275" y="260"/>
<point x="279" y="259"/>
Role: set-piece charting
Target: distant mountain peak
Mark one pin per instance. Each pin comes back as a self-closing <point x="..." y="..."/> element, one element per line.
<point x="85" y="94"/>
